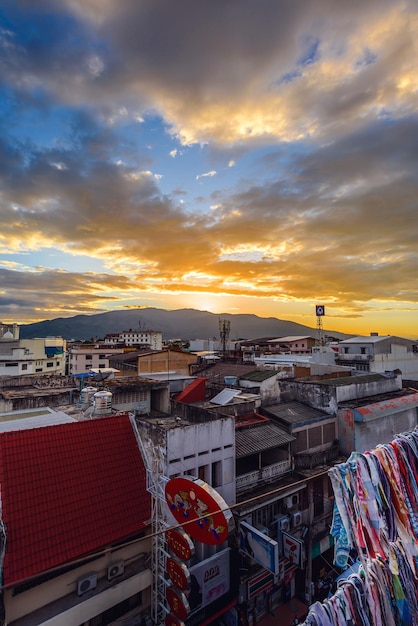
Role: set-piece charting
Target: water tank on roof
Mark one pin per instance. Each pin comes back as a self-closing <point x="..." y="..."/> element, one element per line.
<point x="230" y="380"/>
<point x="87" y="394"/>
<point x="102" y="402"/>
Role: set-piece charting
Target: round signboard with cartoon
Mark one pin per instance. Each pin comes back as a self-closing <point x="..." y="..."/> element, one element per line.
<point x="199" y="508"/>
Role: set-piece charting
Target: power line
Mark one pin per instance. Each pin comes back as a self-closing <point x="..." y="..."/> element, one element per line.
<point x="183" y="525"/>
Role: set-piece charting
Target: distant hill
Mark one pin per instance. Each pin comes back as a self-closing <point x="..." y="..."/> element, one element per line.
<point x="181" y="324"/>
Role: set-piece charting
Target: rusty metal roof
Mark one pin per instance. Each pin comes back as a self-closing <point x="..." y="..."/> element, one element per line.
<point x="294" y="412"/>
<point x="255" y="439"/>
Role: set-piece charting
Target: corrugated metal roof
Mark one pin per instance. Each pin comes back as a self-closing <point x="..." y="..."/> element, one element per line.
<point x="259" y="375"/>
<point x="255" y="439"/>
<point x="349" y="380"/>
<point x="295" y="412"/>
<point x="290" y="338"/>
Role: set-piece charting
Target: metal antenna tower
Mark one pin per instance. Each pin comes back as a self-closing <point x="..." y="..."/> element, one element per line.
<point x="224" y="330"/>
<point x="320" y="312"/>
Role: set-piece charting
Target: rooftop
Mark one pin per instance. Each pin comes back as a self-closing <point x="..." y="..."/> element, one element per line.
<point x="295" y="413"/>
<point x="67" y="491"/>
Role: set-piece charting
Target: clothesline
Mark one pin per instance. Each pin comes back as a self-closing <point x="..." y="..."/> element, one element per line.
<point x="376" y="515"/>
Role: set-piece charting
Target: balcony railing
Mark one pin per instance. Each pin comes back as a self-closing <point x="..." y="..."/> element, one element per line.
<point x="266" y="473"/>
<point x="308" y="461"/>
<point x="342" y="356"/>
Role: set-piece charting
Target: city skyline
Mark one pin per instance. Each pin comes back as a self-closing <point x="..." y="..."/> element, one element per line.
<point x="234" y="157"/>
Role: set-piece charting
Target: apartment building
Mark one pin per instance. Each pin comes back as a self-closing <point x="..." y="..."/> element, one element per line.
<point x="84" y="357"/>
<point x="379" y="354"/>
<point x="23" y="357"/>
<point x="146" y="338"/>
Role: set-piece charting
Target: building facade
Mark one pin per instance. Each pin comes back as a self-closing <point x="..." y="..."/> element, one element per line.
<point x="379" y="354"/>
<point x="23" y="357"/>
<point x="76" y="546"/>
<point x="152" y="339"/>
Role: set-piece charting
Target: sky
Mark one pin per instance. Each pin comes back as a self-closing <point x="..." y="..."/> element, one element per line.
<point x="234" y="156"/>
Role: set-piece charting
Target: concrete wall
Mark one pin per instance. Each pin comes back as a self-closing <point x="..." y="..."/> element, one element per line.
<point x="327" y="397"/>
<point x="357" y="433"/>
<point x="201" y="446"/>
<point x="61" y="592"/>
<point x="165" y="361"/>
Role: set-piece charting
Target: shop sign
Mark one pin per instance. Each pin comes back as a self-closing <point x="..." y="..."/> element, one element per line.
<point x="171" y="620"/>
<point x="259" y="547"/>
<point x="180" y="543"/>
<point x="209" y="580"/>
<point x="178" y="603"/>
<point x="178" y="573"/>
<point x="292" y="549"/>
<point x="262" y="582"/>
<point x="199" y="508"/>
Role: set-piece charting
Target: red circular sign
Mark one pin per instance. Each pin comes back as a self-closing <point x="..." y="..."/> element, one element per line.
<point x="180" y="543"/>
<point x="178" y="574"/>
<point x="171" y="620"/>
<point x="177" y="602"/>
<point x="200" y="509"/>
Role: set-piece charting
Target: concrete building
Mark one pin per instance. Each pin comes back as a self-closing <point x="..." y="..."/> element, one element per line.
<point x="84" y="357"/>
<point x="315" y="432"/>
<point x="151" y="339"/>
<point x="175" y="447"/>
<point x="24" y="357"/>
<point x="293" y="344"/>
<point x="379" y="354"/>
<point x="74" y="523"/>
<point x="370" y="408"/>
<point x="262" y="381"/>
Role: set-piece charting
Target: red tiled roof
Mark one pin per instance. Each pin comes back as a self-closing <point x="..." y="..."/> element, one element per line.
<point x="68" y="490"/>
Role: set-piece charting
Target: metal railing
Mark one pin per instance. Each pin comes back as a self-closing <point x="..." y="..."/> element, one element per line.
<point x="265" y="473"/>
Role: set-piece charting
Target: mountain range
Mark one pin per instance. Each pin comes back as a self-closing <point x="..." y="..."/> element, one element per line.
<point x="178" y="324"/>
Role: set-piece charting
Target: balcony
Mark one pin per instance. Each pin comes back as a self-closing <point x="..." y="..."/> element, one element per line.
<point x="342" y="356"/>
<point x="269" y="472"/>
<point x="307" y="460"/>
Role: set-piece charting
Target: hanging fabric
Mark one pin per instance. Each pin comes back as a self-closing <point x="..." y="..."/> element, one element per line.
<point x="375" y="515"/>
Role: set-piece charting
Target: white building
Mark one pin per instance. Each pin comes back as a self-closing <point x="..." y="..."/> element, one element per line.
<point x="148" y="338"/>
<point x="20" y="357"/>
<point x="85" y="357"/>
<point x="379" y="354"/>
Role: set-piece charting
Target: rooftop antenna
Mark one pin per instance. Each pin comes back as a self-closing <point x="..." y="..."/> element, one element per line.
<point x="224" y="330"/>
<point x="320" y="312"/>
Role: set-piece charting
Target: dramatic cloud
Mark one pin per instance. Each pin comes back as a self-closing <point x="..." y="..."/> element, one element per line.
<point x="296" y="125"/>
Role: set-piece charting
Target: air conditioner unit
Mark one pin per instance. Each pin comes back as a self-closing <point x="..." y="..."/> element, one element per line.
<point x="115" y="569"/>
<point x="86" y="583"/>
<point x="296" y="518"/>
<point x="292" y="501"/>
<point x="284" y="523"/>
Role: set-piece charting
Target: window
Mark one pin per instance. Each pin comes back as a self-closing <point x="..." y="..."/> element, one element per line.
<point x="363" y="350"/>
<point x="50" y="364"/>
<point x="24" y="366"/>
<point x="217" y="474"/>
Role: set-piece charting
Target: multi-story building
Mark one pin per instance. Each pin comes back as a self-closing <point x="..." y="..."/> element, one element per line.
<point x="83" y="357"/>
<point x="74" y="541"/>
<point x="146" y="338"/>
<point x="379" y="354"/>
<point x="22" y="357"/>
